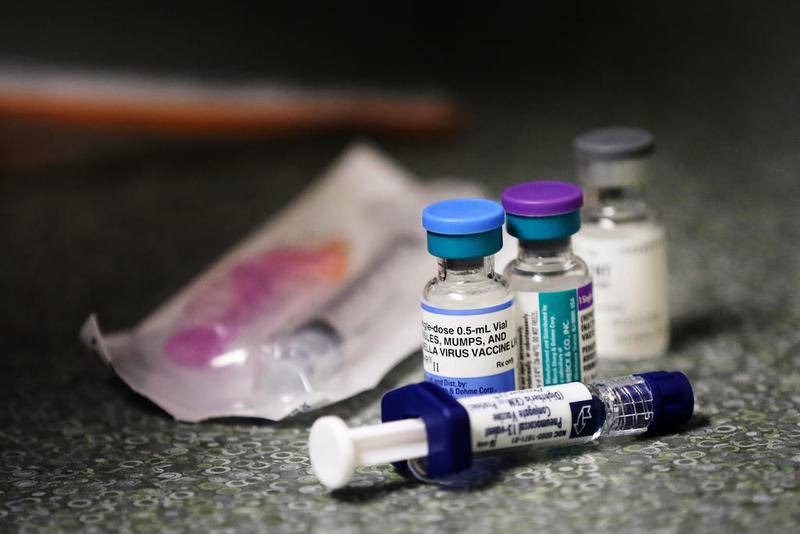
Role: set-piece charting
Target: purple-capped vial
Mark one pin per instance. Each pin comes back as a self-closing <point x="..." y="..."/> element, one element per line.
<point x="552" y="286"/>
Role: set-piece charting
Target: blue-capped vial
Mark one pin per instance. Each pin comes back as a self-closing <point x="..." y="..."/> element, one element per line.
<point x="469" y="342"/>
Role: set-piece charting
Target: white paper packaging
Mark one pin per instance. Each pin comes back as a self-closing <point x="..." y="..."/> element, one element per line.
<point x="315" y="306"/>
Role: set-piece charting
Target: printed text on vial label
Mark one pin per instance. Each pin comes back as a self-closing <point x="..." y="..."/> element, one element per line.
<point x="470" y="354"/>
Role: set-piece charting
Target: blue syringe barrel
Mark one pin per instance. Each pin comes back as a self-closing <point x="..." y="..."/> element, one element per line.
<point x="549" y="416"/>
<point x="424" y="422"/>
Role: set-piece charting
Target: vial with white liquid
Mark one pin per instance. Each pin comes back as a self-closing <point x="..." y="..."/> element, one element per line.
<point x="623" y="244"/>
<point x="439" y="434"/>
<point x="553" y="287"/>
<point x="469" y="342"/>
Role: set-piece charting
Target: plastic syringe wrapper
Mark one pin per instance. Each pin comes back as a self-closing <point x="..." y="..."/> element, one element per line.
<point x="314" y="307"/>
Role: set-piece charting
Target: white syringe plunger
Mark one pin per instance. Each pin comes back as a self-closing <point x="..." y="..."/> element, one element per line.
<point x="336" y="450"/>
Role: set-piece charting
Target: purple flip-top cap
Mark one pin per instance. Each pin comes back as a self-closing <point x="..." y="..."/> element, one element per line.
<point x="542" y="199"/>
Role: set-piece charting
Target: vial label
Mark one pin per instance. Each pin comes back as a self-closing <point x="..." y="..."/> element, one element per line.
<point x="556" y="337"/>
<point x="470" y="352"/>
<point x="548" y="416"/>
<point x="629" y="269"/>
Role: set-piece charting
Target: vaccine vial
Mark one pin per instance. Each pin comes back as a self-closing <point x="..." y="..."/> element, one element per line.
<point x="469" y="342"/>
<point x="623" y="244"/>
<point x="552" y="286"/>
<point x="438" y="435"/>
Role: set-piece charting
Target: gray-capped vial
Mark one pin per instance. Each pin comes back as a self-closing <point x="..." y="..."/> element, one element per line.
<point x="552" y="286"/>
<point x="623" y="243"/>
<point x="469" y="342"/>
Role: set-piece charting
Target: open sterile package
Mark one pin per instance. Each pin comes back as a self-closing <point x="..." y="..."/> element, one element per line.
<point x="315" y="306"/>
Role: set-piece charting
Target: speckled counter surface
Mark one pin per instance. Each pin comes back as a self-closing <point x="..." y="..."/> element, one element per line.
<point x="119" y="234"/>
<point x="79" y="451"/>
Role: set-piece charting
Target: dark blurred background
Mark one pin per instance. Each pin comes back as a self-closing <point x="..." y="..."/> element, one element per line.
<point x="113" y="213"/>
<point x="115" y="219"/>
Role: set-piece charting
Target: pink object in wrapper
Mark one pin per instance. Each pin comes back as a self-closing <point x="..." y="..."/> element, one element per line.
<point x="315" y="306"/>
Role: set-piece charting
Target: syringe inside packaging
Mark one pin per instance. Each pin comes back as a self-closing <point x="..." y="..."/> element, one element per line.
<point x="346" y="326"/>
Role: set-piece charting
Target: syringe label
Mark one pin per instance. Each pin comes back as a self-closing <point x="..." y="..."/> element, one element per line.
<point x="545" y="416"/>
<point x="470" y="352"/>
<point x="556" y="331"/>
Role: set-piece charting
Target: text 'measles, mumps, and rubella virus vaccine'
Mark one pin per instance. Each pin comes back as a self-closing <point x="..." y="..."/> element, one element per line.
<point x="469" y="342"/>
<point x="552" y="286"/>
<point x="441" y="434"/>
<point x="623" y="244"/>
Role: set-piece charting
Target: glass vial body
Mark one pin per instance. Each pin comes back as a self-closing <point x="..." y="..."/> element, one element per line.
<point x="465" y="284"/>
<point x="547" y="278"/>
<point x="552" y="286"/>
<point x="469" y="341"/>
<point x="624" y="245"/>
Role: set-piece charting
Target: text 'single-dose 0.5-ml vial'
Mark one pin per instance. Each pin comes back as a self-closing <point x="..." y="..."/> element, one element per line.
<point x="469" y="342"/>
<point x="552" y="286"/>
<point x="623" y="244"/>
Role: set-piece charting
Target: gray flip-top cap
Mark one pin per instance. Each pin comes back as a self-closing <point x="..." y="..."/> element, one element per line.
<point x="614" y="142"/>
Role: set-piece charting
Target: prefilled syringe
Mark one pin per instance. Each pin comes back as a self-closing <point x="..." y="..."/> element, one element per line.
<point x="423" y="421"/>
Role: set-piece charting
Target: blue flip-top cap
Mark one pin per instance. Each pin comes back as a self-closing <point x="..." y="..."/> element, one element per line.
<point x="673" y="400"/>
<point x="462" y="228"/>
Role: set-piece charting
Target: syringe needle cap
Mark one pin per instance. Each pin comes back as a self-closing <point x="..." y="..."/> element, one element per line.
<point x="673" y="400"/>
<point x="332" y="452"/>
